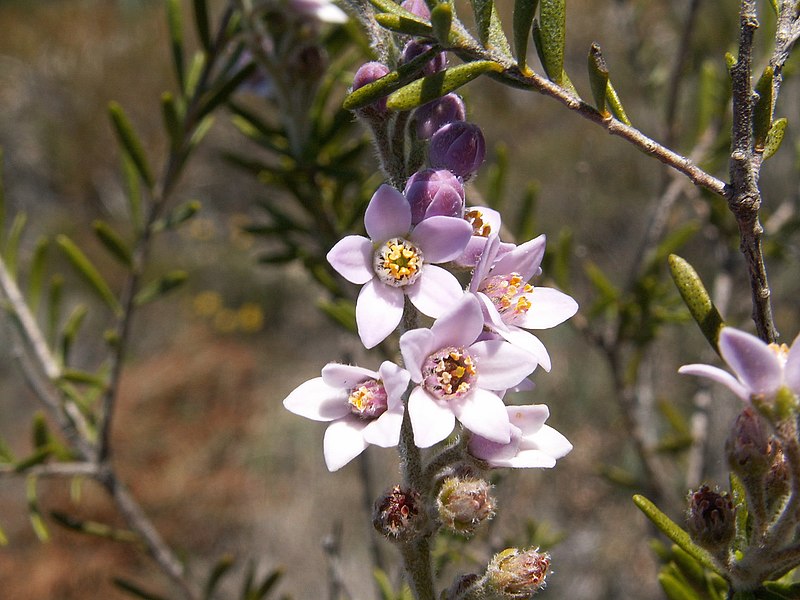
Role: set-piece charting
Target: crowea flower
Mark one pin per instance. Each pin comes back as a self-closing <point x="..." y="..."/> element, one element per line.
<point x="396" y="261"/>
<point x="511" y="304"/>
<point x="365" y="407"/>
<point x="760" y="369"/>
<point x="458" y="376"/>
<point x="533" y="444"/>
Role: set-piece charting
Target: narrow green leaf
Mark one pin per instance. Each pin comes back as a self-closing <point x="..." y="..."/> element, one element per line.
<point x="690" y="568"/>
<point x="223" y="91"/>
<point x="54" y="305"/>
<point x="130" y="143"/>
<point x="762" y="112"/>
<point x="202" y="23"/>
<point x="223" y="565"/>
<point x="135" y="590"/>
<point x="490" y="30"/>
<point x="193" y="75"/>
<point x="161" y="286"/>
<point x="3" y="538"/>
<point x="94" y="528"/>
<point x="39" y="456"/>
<point x="88" y="271"/>
<point x="673" y="242"/>
<point x="774" y="5"/>
<point x="598" y="78"/>
<point x="675" y="589"/>
<point x="269" y="582"/>
<point x="602" y="284"/>
<point x="442" y="22"/>
<point x="40" y="434"/>
<point x="553" y="29"/>
<point x="36" y="273"/>
<point x="675" y="533"/>
<point x="384" y="584"/>
<point x="14" y="240"/>
<point x="775" y="137"/>
<point x="35" y="515"/>
<point x="388" y="6"/>
<point x="175" y="26"/>
<point x="178" y="216"/>
<point x="434" y="86"/>
<point x="113" y="242"/>
<point x="133" y="191"/>
<point x="524" y="11"/>
<point x="83" y="378"/>
<point x="401" y="24"/>
<point x="200" y="132"/>
<point x="342" y="312"/>
<point x="615" y="104"/>
<point x="172" y="120"/>
<point x="696" y="298"/>
<point x="6" y="455"/>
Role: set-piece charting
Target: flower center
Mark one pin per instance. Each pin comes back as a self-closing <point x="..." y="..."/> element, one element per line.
<point x="508" y="293"/>
<point x="368" y="399"/>
<point x="479" y="227"/>
<point x="780" y="350"/>
<point x="449" y="374"/>
<point x="398" y="262"/>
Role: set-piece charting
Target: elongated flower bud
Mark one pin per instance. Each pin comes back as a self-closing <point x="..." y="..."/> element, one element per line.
<point x="711" y="519"/>
<point x="464" y="504"/>
<point x="458" y="146"/>
<point x="433" y="193"/>
<point x="518" y="574"/>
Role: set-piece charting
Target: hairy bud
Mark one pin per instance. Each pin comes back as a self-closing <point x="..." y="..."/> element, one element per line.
<point x="368" y="73"/>
<point x="464" y="504"/>
<point x="517" y="573"/>
<point x="748" y="446"/>
<point x="418" y="7"/>
<point x="711" y="519"/>
<point x="414" y="48"/>
<point x="437" y="113"/>
<point x="458" y="146"/>
<point x="434" y="192"/>
<point x="399" y="514"/>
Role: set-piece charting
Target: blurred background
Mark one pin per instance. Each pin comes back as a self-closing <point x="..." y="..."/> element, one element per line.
<point x="201" y="436"/>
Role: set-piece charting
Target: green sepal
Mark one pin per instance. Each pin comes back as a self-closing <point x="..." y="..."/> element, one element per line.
<point x="598" y="78"/>
<point x="524" y="12"/>
<point x="552" y="36"/>
<point x="675" y="589"/>
<point x="161" y="286"/>
<point x="697" y="299"/>
<point x="441" y="22"/>
<point x="88" y="271"/>
<point x="437" y="85"/>
<point x="130" y="142"/>
<point x="135" y="590"/>
<point x="113" y="242"/>
<point x="763" y="109"/>
<point x="222" y="566"/>
<point x="490" y="29"/>
<point x="669" y="528"/>
<point x="175" y="27"/>
<point x="401" y="24"/>
<point x="615" y="104"/>
<point x="202" y="23"/>
<point x="775" y="137"/>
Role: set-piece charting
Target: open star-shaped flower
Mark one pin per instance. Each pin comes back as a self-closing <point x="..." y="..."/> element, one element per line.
<point x="365" y="407"/>
<point x="458" y="376"/>
<point x="510" y="303"/>
<point x="396" y="261"/>
<point x="760" y="369"/>
<point x="533" y="444"/>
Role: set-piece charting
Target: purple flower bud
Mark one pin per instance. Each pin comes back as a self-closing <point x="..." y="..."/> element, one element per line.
<point x="414" y="48"/>
<point x="368" y="73"/>
<point x="418" y="7"/>
<point x="518" y="573"/>
<point x="748" y="446"/>
<point x="465" y="503"/>
<point x="433" y="193"/>
<point x="399" y="515"/>
<point x="711" y="521"/>
<point x="458" y="146"/>
<point x="434" y="115"/>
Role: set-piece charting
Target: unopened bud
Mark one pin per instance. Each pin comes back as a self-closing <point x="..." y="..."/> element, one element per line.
<point x="437" y="113"/>
<point x="418" y="7"/>
<point x="517" y="573"/>
<point x="747" y="446"/>
<point x="368" y="73"/>
<point x="711" y="519"/>
<point x="399" y="515"/>
<point x="464" y="504"/>
<point x="433" y="193"/>
<point x="414" y="48"/>
<point x="458" y="146"/>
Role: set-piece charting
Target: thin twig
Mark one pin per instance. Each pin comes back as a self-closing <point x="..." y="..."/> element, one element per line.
<point x="56" y="469"/>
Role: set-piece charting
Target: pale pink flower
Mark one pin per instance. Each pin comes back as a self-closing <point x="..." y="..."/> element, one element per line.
<point x="396" y="261"/>
<point x="458" y="376"/>
<point x="365" y="407"/>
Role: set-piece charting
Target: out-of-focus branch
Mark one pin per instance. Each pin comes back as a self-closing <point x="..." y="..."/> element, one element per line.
<point x="59" y="469"/>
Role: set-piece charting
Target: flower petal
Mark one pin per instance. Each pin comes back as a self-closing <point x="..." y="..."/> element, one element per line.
<point x="490" y="451"/>
<point x="484" y="413"/>
<point x="395" y="381"/>
<point x="549" y="307"/>
<point x="525" y="259"/>
<point x="547" y="440"/>
<point x="719" y="376"/>
<point x="461" y="326"/>
<point x="792" y="367"/>
<point x="530" y="459"/>
<point x="484" y="262"/>
<point x="352" y="258"/>
<point x="385" y="430"/>
<point x="431" y="421"/>
<point x="388" y="215"/>
<point x="435" y="292"/>
<point x="756" y="365"/>
<point x="441" y="238"/>
<point x="528" y="342"/>
<point x="529" y="417"/>
<point x="415" y="346"/>
<point x="379" y="309"/>
<point x="343" y="442"/>
<point x="501" y="365"/>
<point x="346" y="377"/>
<point x="318" y="401"/>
